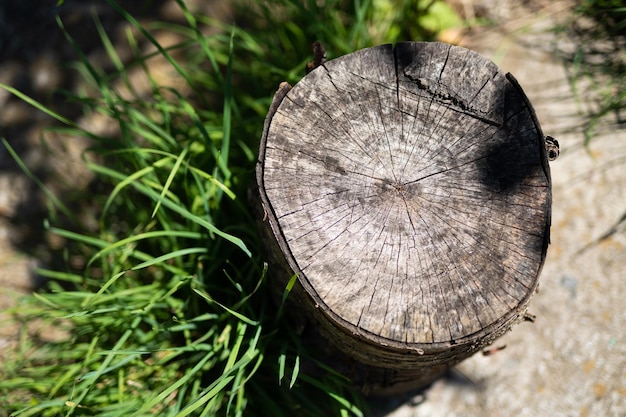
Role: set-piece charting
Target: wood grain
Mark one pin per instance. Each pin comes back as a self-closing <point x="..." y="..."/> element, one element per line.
<point x="409" y="189"/>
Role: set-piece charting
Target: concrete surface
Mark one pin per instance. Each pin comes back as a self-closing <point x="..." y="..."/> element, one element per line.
<point x="572" y="360"/>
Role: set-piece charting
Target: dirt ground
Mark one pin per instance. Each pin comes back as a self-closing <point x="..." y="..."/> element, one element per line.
<point x="572" y="360"/>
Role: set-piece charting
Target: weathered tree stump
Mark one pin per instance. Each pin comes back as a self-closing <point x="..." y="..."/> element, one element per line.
<point x="409" y="190"/>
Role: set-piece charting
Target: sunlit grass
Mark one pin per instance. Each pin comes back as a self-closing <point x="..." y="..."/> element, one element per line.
<point x="597" y="65"/>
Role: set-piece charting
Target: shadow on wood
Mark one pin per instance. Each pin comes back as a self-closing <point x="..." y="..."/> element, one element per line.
<point x="409" y="190"/>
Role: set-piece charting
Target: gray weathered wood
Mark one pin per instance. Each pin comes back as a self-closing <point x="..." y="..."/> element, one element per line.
<point x="409" y="189"/>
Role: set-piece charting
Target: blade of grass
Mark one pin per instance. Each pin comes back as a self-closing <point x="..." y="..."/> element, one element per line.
<point x="125" y="180"/>
<point x="214" y="389"/>
<point x="153" y="41"/>
<point x="184" y="380"/>
<point x="286" y="292"/>
<point x="99" y="243"/>
<point x="234" y="352"/>
<point x="200" y="37"/>
<point x="38" y="106"/>
<point x="36" y="410"/>
<point x="129" y="356"/>
<point x="61" y="276"/>
<point x="174" y="207"/>
<point x="282" y="360"/>
<point x="242" y="379"/>
<point x="170" y="178"/>
<point x="340" y="399"/>
<point x="57" y="203"/>
<point x="295" y="372"/>
<point x="168" y="256"/>
<point x="232" y="312"/>
<point x="238" y="367"/>
<point x="221" y="161"/>
<point x="227" y="114"/>
<point x="108" y="45"/>
<point x="143" y="236"/>
<point x="89" y="300"/>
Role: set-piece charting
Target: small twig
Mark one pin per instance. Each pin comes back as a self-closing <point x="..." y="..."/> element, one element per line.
<point x="529" y="317"/>
<point x="319" y="57"/>
<point x="493" y="350"/>
<point x="613" y="230"/>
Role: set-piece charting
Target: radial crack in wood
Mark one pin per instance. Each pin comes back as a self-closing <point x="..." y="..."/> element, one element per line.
<point x="409" y="189"/>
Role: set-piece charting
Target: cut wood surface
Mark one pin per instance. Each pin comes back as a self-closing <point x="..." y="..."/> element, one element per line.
<point x="409" y="189"/>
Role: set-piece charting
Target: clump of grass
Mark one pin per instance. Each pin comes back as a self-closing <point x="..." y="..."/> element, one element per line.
<point x="598" y="60"/>
<point x="169" y="312"/>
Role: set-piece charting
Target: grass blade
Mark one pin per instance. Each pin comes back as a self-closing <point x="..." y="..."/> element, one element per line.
<point x="168" y="256"/>
<point x="170" y="178"/>
<point x="57" y="203"/>
<point x="240" y="316"/>
<point x="174" y="207"/>
<point x="38" y="106"/>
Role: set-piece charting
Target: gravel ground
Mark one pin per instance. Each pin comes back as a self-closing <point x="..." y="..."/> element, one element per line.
<point x="572" y="360"/>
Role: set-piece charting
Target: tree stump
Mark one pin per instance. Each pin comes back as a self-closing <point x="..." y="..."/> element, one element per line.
<point x="409" y="190"/>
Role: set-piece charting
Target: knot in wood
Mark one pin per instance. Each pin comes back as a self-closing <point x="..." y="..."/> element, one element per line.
<point x="409" y="189"/>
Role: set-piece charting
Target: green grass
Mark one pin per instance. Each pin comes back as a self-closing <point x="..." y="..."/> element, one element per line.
<point x="169" y="311"/>
<point x="598" y="63"/>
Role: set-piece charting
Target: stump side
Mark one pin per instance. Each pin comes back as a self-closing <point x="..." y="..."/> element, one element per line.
<point x="409" y="190"/>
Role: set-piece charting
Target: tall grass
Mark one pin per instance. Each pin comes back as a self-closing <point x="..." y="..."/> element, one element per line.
<point x="169" y="311"/>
